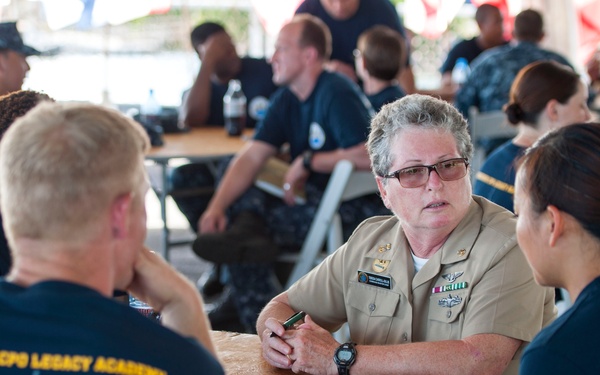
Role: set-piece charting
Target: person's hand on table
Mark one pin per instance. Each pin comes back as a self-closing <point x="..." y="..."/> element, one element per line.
<point x="309" y="348"/>
<point x="294" y="180"/>
<point x="212" y="221"/>
<point x="275" y="349"/>
<point x="341" y="67"/>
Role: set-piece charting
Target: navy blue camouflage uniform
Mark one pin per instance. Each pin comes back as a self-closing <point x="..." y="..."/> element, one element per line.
<point x="492" y="75"/>
<point x="256" y="79"/>
<point x="493" y="72"/>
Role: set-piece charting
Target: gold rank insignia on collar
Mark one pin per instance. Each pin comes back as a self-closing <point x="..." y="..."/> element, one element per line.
<point x="384" y="248"/>
<point x="461" y="252"/>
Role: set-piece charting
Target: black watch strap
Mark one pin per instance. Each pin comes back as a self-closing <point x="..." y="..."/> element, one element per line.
<point x="307" y="157"/>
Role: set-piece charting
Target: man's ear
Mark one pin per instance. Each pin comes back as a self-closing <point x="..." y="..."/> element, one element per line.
<point x="120" y="215"/>
<point x="310" y="53"/>
<point x="383" y="192"/>
<point x="556" y="224"/>
<point x="363" y="63"/>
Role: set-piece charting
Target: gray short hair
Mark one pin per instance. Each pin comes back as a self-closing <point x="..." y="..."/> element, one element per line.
<point x="414" y="111"/>
<point x="61" y="165"/>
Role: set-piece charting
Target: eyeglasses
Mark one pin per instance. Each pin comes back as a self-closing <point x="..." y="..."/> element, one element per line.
<point x="448" y="170"/>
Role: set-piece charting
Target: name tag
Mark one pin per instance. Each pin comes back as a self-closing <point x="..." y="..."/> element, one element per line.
<point x="374" y="279"/>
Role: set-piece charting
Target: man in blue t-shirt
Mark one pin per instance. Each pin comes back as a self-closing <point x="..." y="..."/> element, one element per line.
<point x="346" y="21"/>
<point x="323" y="118"/>
<point x="73" y="185"/>
<point x="202" y="105"/>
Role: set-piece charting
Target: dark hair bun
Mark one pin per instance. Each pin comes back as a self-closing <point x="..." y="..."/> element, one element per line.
<point x="514" y="113"/>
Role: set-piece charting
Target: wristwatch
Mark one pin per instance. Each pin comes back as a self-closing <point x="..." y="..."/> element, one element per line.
<point x="307" y="159"/>
<point x="344" y="357"/>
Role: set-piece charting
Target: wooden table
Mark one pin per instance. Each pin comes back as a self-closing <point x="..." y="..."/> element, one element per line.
<point x="205" y="145"/>
<point x="199" y="144"/>
<point x="241" y="354"/>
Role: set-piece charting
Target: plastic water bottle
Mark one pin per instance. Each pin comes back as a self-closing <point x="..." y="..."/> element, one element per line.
<point x="234" y="108"/>
<point x="461" y="71"/>
<point x="150" y="111"/>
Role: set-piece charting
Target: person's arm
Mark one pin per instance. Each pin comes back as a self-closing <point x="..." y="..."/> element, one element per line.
<point x="171" y="293"/>
<point x="238" y="178"/>
<point x="478" y="354"/>
<point x="195" y="107"/>
<point x="271" y="317"/>
<point x="310" y="349"/>
<point x="323" y="162"/>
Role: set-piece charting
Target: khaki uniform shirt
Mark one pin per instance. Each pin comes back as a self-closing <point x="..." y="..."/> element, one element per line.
<point x="478" y="282"/>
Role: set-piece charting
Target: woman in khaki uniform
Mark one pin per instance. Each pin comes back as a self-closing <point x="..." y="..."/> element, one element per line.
<point x="444" y="277"/>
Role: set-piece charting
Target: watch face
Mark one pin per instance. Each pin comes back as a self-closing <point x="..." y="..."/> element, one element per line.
<point x="344" y="355"/>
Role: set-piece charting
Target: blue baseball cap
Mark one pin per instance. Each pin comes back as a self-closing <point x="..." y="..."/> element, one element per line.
<point x="10" y="38"/>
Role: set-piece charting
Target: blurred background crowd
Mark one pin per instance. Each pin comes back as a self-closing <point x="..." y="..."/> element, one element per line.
<point x="113" y="52"/>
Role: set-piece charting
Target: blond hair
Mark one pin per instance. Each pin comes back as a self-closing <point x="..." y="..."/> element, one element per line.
<point x="61" y="166"/>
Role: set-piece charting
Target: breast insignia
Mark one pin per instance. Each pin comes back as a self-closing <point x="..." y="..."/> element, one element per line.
<point x="450" y="301"/>
<point x="451" y="277"/>
<point x="380" y="265"/>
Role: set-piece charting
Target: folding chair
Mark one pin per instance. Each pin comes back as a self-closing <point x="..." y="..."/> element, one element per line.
<point x="484" y="126"/>
<point x="344" y="184"/>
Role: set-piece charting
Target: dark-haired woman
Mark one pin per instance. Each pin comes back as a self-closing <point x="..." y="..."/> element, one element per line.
<point x="544" y="96"/>
<point x="558" y="203"/>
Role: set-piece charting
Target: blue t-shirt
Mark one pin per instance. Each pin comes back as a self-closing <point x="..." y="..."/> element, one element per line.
<point x="385" y="96"/>
<point x="496" y="179"/>
<point x="570" y="344"/>
<point x="468" y="49"/>
<point x="335" y="115"/>
<point x="345" y="33"/>
<point x="56" y="327"/>
<point x="256" y="78"/>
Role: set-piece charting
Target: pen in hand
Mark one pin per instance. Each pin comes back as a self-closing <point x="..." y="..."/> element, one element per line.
<point x="291" y="321"/>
